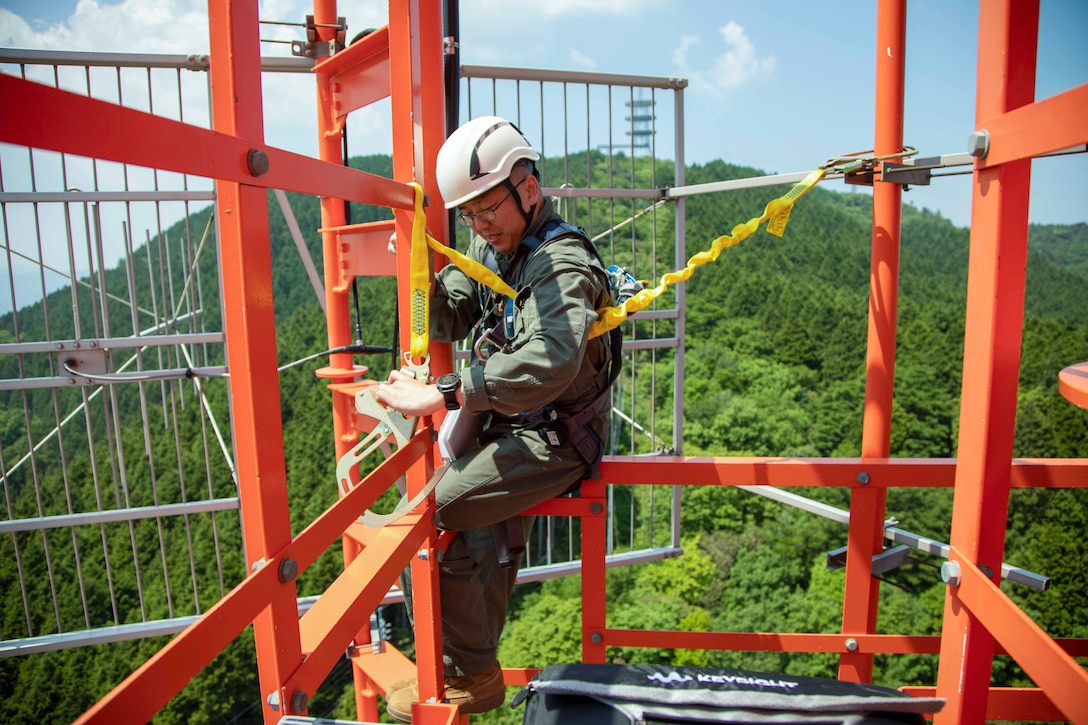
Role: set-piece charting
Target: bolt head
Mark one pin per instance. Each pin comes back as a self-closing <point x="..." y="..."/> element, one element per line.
<point x="978" y="143"/>
<point x="950" y="573"/>
<point x="863" y="478"/>
<point x="851" y="645"/>
<point x="257" y="161"/>
<point x="288" y="570"/>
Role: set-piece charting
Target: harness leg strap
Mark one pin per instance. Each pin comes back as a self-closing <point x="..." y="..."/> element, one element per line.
<point x="509" y="541"/>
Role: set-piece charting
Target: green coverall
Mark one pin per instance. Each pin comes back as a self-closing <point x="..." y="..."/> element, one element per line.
<point x="549" y="360"/>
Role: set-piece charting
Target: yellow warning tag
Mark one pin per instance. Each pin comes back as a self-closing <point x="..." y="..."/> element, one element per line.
<point x="777" y="224"/>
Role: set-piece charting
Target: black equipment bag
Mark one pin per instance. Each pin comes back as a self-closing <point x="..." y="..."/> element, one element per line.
<point x="582" y="694"/>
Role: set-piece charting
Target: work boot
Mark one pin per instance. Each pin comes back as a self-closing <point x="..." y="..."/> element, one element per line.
<point x="471" y="694"/>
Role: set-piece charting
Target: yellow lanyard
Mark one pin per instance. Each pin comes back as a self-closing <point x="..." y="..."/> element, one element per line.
<point x="776" y="214"/>
<point x="777" y="211"/>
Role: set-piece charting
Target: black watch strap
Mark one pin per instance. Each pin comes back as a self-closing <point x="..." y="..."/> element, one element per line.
<point x="448" y="385"/>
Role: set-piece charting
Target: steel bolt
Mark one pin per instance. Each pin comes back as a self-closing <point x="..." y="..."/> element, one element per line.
<point x="596" y="507"/>
<point x="423" y="555"/>
<point x="299" y="701"/>
<point x="273" y="701"/>
<point x="950" y="573"/>
<point x="978" y="144"/>
<point x="863" y="478"/>
<point x="851" y="645"/>
<point x="288" y="570"/>
<point x="257" y="161"/>
<point x="596" y="638"/>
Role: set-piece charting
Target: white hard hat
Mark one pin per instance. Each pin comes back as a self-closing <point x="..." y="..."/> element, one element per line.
<point x="479" y="156"/>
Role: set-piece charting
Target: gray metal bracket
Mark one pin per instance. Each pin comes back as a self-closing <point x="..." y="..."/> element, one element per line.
<point x="315" y="48"/>
<point x="883" y="562"/>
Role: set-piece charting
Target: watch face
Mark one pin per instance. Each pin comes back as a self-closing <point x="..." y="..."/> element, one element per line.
<point x="448" y="382"/>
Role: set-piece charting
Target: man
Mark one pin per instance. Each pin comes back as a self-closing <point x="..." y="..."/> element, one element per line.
<point x="537" y="374"/>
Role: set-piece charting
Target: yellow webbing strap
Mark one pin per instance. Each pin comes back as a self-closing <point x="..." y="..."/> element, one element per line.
<point x="777" y="212"/>
<point x="420" y="280"/>
<point x="473" y="269"/>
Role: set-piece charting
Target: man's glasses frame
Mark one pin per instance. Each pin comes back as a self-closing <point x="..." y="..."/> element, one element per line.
<point x="486" y="215"/>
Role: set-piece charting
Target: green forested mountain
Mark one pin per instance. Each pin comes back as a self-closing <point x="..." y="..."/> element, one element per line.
<point x="775" y="365"/>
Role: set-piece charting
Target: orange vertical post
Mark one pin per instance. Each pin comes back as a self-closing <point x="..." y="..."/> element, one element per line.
<point x="866" y="533"/>
<point x="249" y="324"/>
<point x="1007" y="44"/>
<point x="337" y="304"/>
<point x="594" y="571"/>
<point x="418" y="111"/>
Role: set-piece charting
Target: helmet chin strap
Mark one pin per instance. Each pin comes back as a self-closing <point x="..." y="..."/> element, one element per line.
<point x="528" y="215"/>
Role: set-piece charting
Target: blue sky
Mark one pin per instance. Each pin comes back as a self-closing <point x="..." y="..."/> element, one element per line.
<point x="778" y="85"/>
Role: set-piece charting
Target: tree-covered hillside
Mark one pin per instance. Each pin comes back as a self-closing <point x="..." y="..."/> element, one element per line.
<point x="775" y="366"/>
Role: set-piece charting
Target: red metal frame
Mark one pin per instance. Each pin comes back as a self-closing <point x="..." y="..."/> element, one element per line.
<point x="404" y="62"/>
<point x="867" y="504"/>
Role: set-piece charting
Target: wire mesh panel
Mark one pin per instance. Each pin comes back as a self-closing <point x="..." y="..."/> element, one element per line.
<point x="610" y="145"/>
<point x="120" y="516"/>
<point x="115" y="437"/>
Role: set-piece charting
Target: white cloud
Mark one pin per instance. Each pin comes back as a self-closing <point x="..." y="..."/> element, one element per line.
<point x="557" y="8"/>
<point x="739" y="65"/>
<point x="166" y="26"/>
<point x="580" y="60"/>
<point x="13" y="29"/>
<point x="131" y="26"/>
<point x="680" y="55"/>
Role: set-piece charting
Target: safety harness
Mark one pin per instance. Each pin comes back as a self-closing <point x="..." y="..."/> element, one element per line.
<point x="557" y="427"/>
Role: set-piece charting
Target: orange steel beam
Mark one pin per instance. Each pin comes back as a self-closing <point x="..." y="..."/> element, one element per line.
<point x="1059" y="675"/>
<point x="1006" y="703"/>
<point x="333" y="215"/>
<point x="843" y="472"/>
<point x="359" y="74"/>
<point x="594" y="598"/>
<point x="85" y="126"/>
<point x="800" y="642"/>
<point x="320" y="535"/>
<point x="344" y="608"/>
<point x="341" y="367"/>
<point x="250" y="328"/>
<point x="383" y="664"/>
<point x="150" y="687"/>
<point x="867" y="504"/>
<point x="331" y="120"/>
<point x="1008" y="38"/>
<point x="362" y="251"/>
<point x="147" y="690"/>
<point x="417" y="104"/>
<point x="774" y="642"/>
<point x="1056" y="123"/>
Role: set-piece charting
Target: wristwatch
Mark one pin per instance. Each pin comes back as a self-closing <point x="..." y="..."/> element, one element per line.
<point x="448" y="385"/>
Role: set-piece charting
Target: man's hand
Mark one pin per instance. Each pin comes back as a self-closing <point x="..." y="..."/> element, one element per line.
<point x="407" y="395"/>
